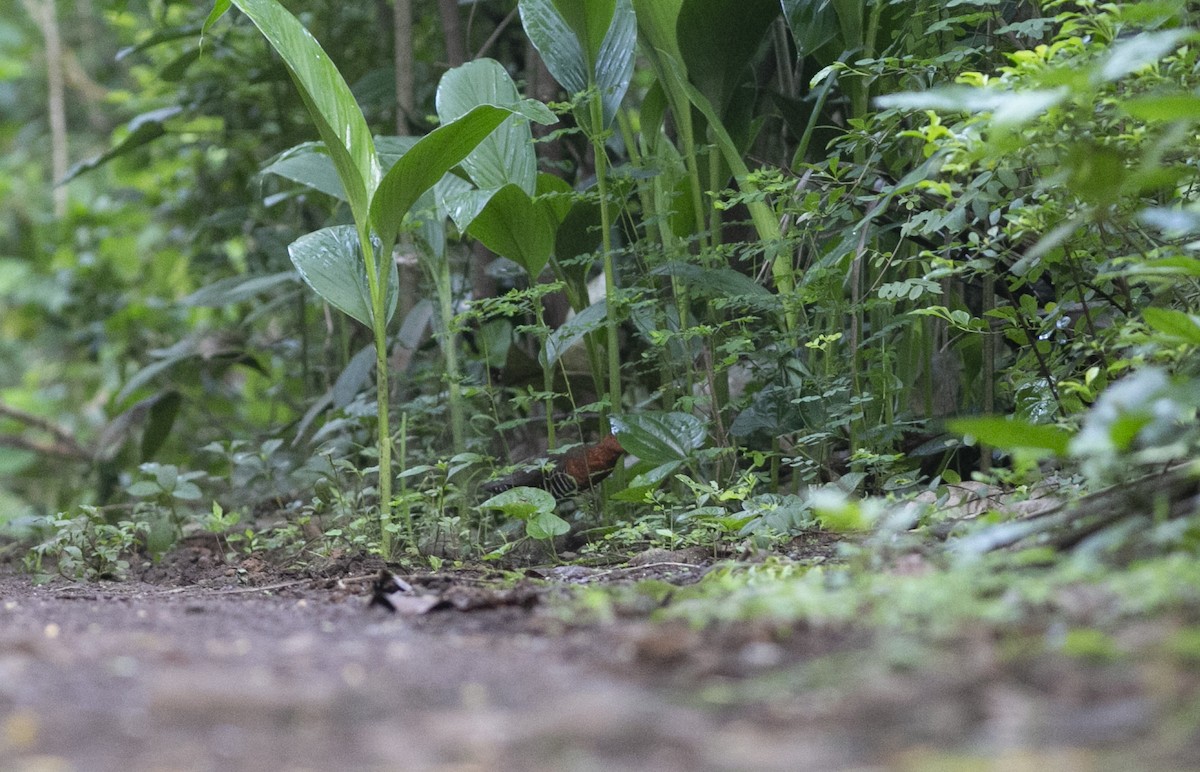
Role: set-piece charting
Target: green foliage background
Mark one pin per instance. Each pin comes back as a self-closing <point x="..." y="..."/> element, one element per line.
<point x="816" y="243"/>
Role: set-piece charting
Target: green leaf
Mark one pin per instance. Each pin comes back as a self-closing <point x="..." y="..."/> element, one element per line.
<point x="143" y="488"/>
<point x="813" y="23"/>
<point x="1012" y="433"/>
<point x="558" y="44"/>
<point x="166" y="475"/>
<point x="143" y="130"/>
<point x="652" y="478"/>
<point x="309" y="165"/>
<point x="162" y="413"/>
<point x="546" y="525"/>
<point x="715" y="282"/>
<point x="585" y="43"/>
<point x="765" y="222"/>
<point x="515" y="226"/>
<point x="1174" y="324"/>
<point x="1169" y="107"/>
<point x="236" y="289"/>
<point x="329" y="101"/>
<point x="719" y="39"/>
<point x="588" y="320"/>
<point x="522" y="502"/>
<point x="557" y="195"/>
<point x="329" y="261"/>
<point x="352" y="377"/>
<point x="659" y="438"/>
<point x="424" y="164"/>
<point x="219" y="9"/>
<point x="187" y="491"/>
<point x="506" y="155"/>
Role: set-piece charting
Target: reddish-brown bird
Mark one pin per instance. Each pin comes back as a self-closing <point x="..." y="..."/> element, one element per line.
<point x="566" y="474"/>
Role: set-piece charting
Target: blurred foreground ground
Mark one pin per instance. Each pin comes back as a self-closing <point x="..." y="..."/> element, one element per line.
<point x="188" y="673"/>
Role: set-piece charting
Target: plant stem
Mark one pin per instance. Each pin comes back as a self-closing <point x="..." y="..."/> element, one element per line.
<point x="450" y="352"/>
<point x="610" y="280"/>
<point x="377" y="287"/>
<point x="547" y="373"/>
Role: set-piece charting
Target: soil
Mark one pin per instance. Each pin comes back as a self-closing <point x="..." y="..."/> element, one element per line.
<point x="199" y="665"/>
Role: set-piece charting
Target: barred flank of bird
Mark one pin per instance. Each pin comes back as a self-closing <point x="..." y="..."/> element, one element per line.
<point x="566" y="474"/>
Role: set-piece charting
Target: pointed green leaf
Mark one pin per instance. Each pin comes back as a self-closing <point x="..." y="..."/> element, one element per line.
<point x="142" y="130"/>
<point x="558" y="44"/>
<point x="424" y="164"/>
<point x="308" y="164"/>
<point x="1176" y="325"/>
<point x="163" y="411"/>
<point x="332" y="107"/>
<point x="813" y="23"/>
<point x="719" y="39"/>
<point x="330" y="261"/>
<point x="585" y="43"/>
<point x="521" y="503"/>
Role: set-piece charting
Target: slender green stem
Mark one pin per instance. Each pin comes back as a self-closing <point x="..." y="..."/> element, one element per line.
<point x="610" y="278"/>
<point x="377" y="287"/>
<point x="450" y="353"/>
<point x="547" y="374"/>
<point x="408" y="523"/>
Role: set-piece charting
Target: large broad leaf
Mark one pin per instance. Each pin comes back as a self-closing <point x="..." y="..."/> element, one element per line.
<point x="327" y="97"/>
<point x="1012" y="433"/>
<point x="522" y="502"/>
<point x="659" y="438"/>
<point x="434" y="155"/>
<point x="656" y="21"/>
<point x="515" y="226"/>
<point x="506" y="155"/>
<point x="561" y="49"/>
<point x="717" y="282"/>
<point x="813" y="24"/>
<point x="719" y="39"/>
<point x="329" y="261"/>
<point x="585" y="43"/>
<point x="428" y="210"/>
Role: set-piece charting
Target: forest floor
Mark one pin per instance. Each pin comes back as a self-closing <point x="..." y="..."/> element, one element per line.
<point x="195" y="664"/>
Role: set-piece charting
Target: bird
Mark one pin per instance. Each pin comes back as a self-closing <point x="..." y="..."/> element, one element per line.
<point x="564" y="475"/>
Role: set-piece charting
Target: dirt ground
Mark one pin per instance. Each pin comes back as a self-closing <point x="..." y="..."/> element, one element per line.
<point x="202" y="666"/>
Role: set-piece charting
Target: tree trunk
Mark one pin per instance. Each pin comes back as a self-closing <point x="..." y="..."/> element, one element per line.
<point x="403" y="63"/>
<point x="456" y="45"/>
<point x="46" y="17"/>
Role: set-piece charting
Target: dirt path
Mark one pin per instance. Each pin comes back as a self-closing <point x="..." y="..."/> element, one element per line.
<point x="132" y="677"/>
<point x="136" y="676"/>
